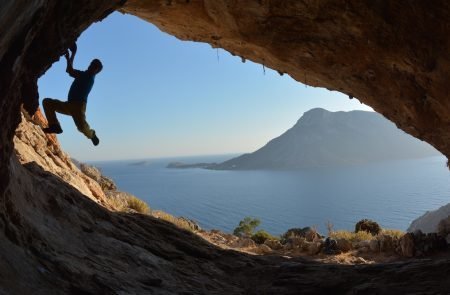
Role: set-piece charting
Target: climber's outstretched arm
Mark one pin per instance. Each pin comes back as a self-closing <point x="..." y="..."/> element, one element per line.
<point x="72" y="72"/>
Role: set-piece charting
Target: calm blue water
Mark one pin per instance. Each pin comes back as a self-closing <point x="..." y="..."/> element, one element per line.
<point x="391" y="193"/>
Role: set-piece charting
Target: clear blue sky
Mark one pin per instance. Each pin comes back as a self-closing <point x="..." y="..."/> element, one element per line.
<point x="158" y="96"/>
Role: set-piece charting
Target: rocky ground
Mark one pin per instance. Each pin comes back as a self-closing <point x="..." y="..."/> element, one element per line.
<point x="382" y="248"/>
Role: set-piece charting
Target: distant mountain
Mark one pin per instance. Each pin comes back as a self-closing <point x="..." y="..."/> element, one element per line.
<point x="321" y="139"/>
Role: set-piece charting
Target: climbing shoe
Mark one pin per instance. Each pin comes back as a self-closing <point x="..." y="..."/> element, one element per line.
<point x="95" y="139"/>
<point x="53" y="129"/>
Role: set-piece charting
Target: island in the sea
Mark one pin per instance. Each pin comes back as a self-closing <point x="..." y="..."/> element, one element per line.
<point x="321" y="138"/>
<point x="140" y="163"/>
<point x="180" y="165"/>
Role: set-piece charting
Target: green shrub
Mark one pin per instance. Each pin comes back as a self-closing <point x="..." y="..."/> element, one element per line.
<point x="246" y="227"/>
<point x="369" y="226"/>
<point x="261" y="236"/>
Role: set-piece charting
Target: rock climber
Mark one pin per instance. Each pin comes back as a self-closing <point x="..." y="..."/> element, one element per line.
<point x="75" y="105"/>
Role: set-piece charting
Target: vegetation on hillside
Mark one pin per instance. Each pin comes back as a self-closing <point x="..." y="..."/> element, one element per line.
<point x="369" y="226"/>
<point x="246" y="227"/>
<point x="306" y="238"/>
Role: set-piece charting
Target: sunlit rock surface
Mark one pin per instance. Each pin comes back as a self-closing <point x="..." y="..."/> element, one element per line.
<point x="55" y="239"/>
<point x="429" y="221"/>
<point x="32" y="146"/>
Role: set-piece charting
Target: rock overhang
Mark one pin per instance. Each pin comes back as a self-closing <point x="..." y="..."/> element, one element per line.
<point x="393" y="56"/>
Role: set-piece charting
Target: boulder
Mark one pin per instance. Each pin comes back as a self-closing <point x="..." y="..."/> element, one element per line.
<point x="315" y="247"/>
<point x="263" y="249"/>
<point x="244" y="243"/>
<point x="273" y="244"/>
<point x="407" y="245"/>
<point x="330" y="247"/>
<point x="294" y="243"/>
<point x="428" y="243"/>
<point x="387" y="243"/>
<point x="312" y="235"/>
<point x="374" y="245"/>
<point x="344" y="245"/>
<point x="305" y="246"/>
<point x="308" y="233"/>
<point x="362" y="244"/>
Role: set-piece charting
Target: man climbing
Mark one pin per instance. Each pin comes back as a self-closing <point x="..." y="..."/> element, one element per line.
<point x="75" y="106"/>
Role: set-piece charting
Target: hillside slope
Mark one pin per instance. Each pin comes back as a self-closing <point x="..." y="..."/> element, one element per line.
<point x="429" y="221"/>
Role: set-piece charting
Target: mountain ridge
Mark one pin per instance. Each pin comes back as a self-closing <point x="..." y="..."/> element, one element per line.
<point x="321" y="138"/>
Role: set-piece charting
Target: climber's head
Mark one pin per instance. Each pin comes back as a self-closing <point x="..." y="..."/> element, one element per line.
<point x="95" y="67"/>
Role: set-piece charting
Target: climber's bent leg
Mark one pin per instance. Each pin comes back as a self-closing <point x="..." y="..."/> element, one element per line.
<point x="51" y="106"/>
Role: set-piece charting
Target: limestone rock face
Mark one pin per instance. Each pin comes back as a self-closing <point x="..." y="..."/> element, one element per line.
<point x="32" y="145"/>
<point x="429" y="221"/>
<point x="105" y="183"/>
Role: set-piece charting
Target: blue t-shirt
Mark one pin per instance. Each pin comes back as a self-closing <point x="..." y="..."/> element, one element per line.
<point x="81" y="86"/>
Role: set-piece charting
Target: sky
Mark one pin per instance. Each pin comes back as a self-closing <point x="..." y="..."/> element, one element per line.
<point x="158" y="96"/>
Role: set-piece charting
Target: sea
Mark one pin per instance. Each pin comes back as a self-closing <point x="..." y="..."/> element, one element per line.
<point x="391" y="193"/>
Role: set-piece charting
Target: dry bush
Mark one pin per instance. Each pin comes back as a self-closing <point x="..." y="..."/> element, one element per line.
<point x="395" y="233"/>
<point x="118" y="204"/>
<point x="363" y="235"/>
<point x="137" y="205"/>
<point x="179" y="222"/>
<point x="352" y="236"/>
<point x="330" y="227"/>
<point x="124" y="202"/>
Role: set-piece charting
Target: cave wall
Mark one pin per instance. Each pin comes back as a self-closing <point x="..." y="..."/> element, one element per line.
<point x="33" y="35"/>
<point x="392" y="55"/>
